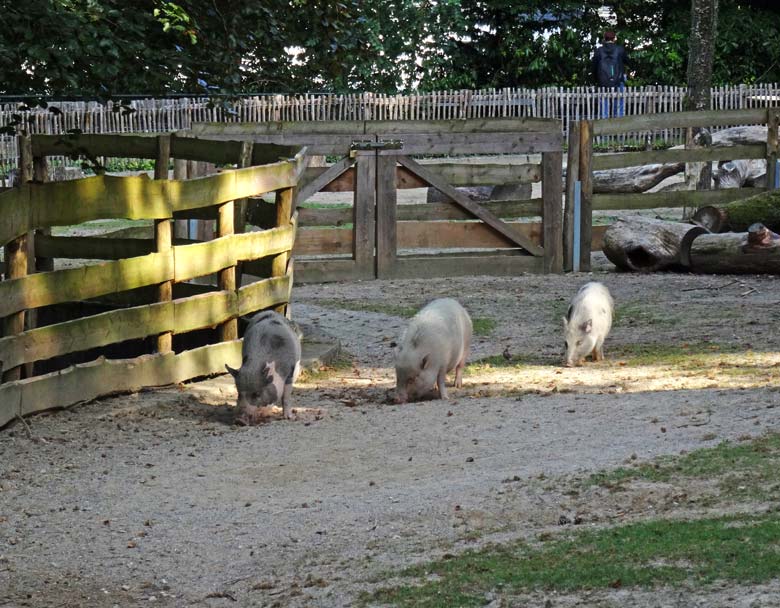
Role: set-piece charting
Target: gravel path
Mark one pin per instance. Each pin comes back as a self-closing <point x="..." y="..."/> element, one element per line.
<point x="157" y="495"/>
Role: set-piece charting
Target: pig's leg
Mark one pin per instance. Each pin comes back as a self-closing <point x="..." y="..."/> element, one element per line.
<point x="459" y="372"/>
<point x="598" y="352"/>
<point x="441" y="380"/>
<point x="248" y="415"/>
<point x="287" y="401"/>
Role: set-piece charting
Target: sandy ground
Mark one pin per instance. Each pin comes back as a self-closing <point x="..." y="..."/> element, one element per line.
<point x="158" y="499"/>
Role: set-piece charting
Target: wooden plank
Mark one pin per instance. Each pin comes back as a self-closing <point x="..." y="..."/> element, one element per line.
<point x="364" y="213"/>
<point x="10" y="402"/>
<point x="284" y="211"/>
<point x="572" y="176"/>
<point x="586" y="196"/>
<point x="200" y="259"/>
<point x="246" y="129"/>
<point x="386" y="222"/>
<point x="163" y="237"/>
<point x="425" y="267"/>
<point x="329" y="270"/>
<point x="204" y="310"/>
<point x="317" y="179"/>
<point x="310" y="217"/>
<point x="328" y="241"/>
<point x="682" y="198"/>
<point x="482" y="125"/>
<point x="633" y="159"/>
<point x="552" y="216"/>
<point x="93" y="144"/>
<point x="670" y="120"/>
<point x="474" y="174"/>
<point x="263" y="294"/>
<point x="473" y="208"/>
<point x="88" y="381"/>
<point x="15" y="211"/>
<point x="86" y="333"/>
<point x="456" y="235"/>
<point x="316" y="143"/>
<point x="16" y="260"/>
<point x="84" y="282"/>
<point x="93" y="247"/>
<point x="478" y="143"/>
<point x="773" y="122"/>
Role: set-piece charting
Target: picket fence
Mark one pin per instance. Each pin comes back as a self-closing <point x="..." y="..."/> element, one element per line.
<point x="565" y="104"/>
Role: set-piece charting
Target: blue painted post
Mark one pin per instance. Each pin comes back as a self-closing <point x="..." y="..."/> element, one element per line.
<point x="575" y="254"/>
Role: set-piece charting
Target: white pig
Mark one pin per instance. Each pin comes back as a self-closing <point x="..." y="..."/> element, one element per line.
<point x="436" y="341"/>
<point x="270" y="364"/>
<point x="587" y="323"/>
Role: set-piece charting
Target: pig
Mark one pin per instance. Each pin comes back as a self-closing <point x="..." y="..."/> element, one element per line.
<point x="587" y="323"/>
<point x="436" y="341"/>
<point x="270" y="364"/>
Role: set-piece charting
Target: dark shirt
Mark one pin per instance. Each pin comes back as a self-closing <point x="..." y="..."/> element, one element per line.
<point x="606" y="56"/>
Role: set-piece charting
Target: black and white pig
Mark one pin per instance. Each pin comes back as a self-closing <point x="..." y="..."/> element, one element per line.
<point x="436" y="341"/>
<point x="587" y="323"/>
<point x="270" y="364"/>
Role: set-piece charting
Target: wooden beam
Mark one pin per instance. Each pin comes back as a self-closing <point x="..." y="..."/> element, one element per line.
<point x="386" y="222"/>
<point x="572" y="176"/>
<point x="364" y="213"/>
<point x="329" y="270"/>
<point x="423" y="267"/>
<point x="773" y="122"/>
<point x="679" y="198"/>
<point x="263" y="294"/>
<point x="651" y="157"/>
<point x="16" y="259"/>
<point x="650" y="122"/>
<point x="284" y="210"/>
<point x="472" y="207"/>
<point x="316" y="183"/>
<point x="511" y="142"/>
<point x="163" y="236"/>
<point x="586" y="194"/>
<point x="552" y="216"/>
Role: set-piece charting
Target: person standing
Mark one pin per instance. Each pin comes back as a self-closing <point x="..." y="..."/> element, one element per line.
<point x="609" y="70"/>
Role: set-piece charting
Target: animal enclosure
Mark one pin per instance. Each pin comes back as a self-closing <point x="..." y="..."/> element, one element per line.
<point x="378" y="238"/>
<point x="145" y="292"/>
<point x="583" y="163"/>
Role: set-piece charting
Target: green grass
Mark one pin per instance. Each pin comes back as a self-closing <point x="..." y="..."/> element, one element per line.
<point x="739" y="548"/>
<point x="483" y="326"/>
<point x="684" y="355"/>
<point x="748" y="470"/>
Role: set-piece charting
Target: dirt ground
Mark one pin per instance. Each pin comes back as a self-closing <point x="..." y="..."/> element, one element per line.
<point x="158" y="498"/>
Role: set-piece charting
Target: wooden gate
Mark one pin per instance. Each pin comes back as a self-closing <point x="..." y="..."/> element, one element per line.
<point x="379" y="238"/>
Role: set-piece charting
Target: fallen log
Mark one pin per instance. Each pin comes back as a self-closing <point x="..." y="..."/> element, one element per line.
<point x="737" y="216"/>
<point x="756" y="251"/>
<point x="741" y="172"/>
<point x="645" y="244"/>
<point x="633" y="179"/>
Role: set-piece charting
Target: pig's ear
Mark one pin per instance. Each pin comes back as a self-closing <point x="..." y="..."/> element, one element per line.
<point x="424" y="362"/>
<point x="233" y="372"/>
<point x="587" y="327"/>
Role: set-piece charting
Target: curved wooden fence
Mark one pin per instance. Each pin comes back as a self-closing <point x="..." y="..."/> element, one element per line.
<point x="161" y="265"/>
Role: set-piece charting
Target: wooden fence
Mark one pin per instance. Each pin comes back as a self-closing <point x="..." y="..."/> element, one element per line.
<point x="582" y="162"/>
<point x="378" y="238"/>
<point x="149" y="277"/>
<point x="565" y="104"/>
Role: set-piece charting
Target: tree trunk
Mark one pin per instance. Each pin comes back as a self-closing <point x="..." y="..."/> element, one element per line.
<point x="737" y="216"/>
<point x="640" y="243"/>
<point x="701" y="52"/>
<point x="754" y="251"/>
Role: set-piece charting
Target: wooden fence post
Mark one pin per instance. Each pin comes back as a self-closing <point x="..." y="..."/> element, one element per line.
<point x="163" y="236"/>
<point x="239" y="219"/>
<point x="386" y="212"/>
<point x="284" y="209"/>
<point x="586" y="194"/>
<point x="16" y="255"/>
<point x="180" y="227"/>
<point x="772" y="123"/>
<point x="41" y="175"/>
<point x="364" y="214"/>
<point x="572" y="176"/>
<point x="552" y="221"/>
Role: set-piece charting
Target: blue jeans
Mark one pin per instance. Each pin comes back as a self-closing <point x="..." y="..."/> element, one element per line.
<point x="615" y="105"/>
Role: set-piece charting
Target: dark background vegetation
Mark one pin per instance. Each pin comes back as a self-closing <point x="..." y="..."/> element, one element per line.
<point x="90" y="48"/>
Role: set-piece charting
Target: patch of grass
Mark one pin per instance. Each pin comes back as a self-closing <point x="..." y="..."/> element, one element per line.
<point x="646" y="554"/>
<point x="642" y="313"/>
<point x="748" y="470"/>
<point x="685" y="355"/>
<point x="483" y="326"/>
<point x="315" y="205"/>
